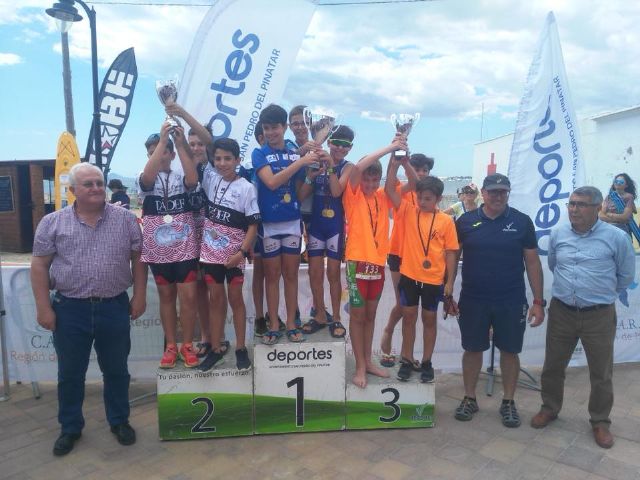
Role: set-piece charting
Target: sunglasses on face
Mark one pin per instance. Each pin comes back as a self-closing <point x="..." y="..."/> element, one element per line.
<point x="340" y="143"/>
<point x="619" y="181"/>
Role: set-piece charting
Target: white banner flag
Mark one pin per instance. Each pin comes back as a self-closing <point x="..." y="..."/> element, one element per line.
<point x="546" y="157"/>
<point x="240" y="62"/>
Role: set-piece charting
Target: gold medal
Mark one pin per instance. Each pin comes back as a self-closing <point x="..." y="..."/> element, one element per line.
<point x="286" y="198"/>
<point x="330" y="213"/>
<point x="167" y="219"/>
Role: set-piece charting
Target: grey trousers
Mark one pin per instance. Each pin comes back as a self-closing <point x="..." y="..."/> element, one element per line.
<point x="596" y="330"/>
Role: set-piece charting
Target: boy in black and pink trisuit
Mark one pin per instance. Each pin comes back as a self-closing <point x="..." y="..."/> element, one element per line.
<point x="169" y="242"/>
<point x="230" y="227"/>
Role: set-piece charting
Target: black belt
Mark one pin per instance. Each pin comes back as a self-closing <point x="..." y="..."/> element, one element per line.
<point x="590" y="308"/>
<point x="93" y="299"/>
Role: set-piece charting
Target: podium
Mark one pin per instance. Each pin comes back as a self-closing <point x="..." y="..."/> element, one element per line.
<point x="299" y="387"/>
<point x="388" y="402"/>
<point x="194" y="404"/>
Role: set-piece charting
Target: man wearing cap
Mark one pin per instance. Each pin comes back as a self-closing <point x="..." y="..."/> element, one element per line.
<point x="499" y="242"/>
<point x="592" y="262"/>
<point x="118" y="193"/>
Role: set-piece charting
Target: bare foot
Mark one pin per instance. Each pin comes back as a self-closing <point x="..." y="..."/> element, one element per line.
<point x="360" y="379"/>
<point x="378" y="372"/>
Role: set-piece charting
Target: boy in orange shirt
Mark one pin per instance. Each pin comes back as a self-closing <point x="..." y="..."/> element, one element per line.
<point x="367" y="218"/>
<point x="422" y="166"/>
<point x="429" y="251"/>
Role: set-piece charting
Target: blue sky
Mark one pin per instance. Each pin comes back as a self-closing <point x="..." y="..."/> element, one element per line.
<point x="444" y="59"/>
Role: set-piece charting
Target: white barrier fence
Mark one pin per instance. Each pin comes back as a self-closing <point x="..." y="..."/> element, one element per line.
<point x="32" y="357"/>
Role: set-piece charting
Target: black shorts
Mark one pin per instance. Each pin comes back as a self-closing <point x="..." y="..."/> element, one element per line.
<point x="412" y="293"/>
<point x="394" y="262"/>
<point x="217" y="273"/>
<point x="175" y="272"/>
<point x="508" y="321"/>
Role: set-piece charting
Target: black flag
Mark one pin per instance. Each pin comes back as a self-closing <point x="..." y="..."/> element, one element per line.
<point x="116" y="95"/>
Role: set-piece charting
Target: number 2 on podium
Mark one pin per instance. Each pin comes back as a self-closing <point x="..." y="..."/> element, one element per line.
<point x="299" y="383"/>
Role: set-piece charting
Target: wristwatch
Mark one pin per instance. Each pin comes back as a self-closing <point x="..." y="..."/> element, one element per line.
<point x="331" y="170"/>
<point x="542" y="302"/>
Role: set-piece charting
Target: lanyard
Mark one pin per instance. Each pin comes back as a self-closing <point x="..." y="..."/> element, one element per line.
<point x="433" y="219"/>
<point x="373" y="227"/>
<point x="224" y="192"/>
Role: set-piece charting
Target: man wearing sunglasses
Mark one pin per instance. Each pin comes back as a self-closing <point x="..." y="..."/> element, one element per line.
<point x="592" y="262"/>
<point x="498" y="243"/>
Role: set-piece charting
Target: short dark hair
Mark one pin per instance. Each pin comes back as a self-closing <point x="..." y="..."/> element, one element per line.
<point x="154" y="139"/>
<point x="257" y="131"/>
<point x="419" y="160"/>
<point x="273" y="114"/>
<point x="297" y="110"/>
<point x="594" y="194"/>
<point x="207" y="128"/>
<point x="430" y="184"/>
<point x="374" y="170"/>
<point x="227" y="144"/>
<point x="343" y="133"/>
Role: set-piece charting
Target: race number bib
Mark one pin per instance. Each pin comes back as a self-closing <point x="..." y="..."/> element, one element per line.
<point x="368" y="271"/>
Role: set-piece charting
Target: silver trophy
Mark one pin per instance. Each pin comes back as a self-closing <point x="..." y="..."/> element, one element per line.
<point x="404" y="122"/>
<point x="168" y="94"/>
<point x="320" y="126"/>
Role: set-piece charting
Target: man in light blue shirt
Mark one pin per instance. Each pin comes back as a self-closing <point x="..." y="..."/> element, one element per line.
<point x="592" y="263"/>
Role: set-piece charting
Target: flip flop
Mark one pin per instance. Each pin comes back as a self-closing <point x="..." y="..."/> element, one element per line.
<point x="295" y="335"/>
<point x="203" y="349"/>
<point x="387" y="360"/>
<point x="333" y="326"/>
<point x="312" y="326"/>
<point x="271" y="337"/>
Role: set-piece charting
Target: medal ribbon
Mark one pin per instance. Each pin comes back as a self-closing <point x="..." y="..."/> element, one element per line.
<point x="373" y="227"/>
<point x="433" y="219"/>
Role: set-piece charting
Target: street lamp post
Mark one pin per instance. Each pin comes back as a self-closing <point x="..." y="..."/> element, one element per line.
<point x="64" y="11"/>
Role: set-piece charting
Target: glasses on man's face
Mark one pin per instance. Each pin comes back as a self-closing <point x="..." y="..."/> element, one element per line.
<point x="340" y="143"/>
<point x="89" y="184"/>
<point x="498" y="193"/>
<point x="296" y="124"/>
<point x="581" y="205"/>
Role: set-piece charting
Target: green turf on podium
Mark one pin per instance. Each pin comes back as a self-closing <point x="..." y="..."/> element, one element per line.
<point x="194" y="404"/>
<point x="300" y="387"/>
<point x="388" y="402"/>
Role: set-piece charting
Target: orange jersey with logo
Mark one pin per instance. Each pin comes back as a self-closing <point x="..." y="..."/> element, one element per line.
<point x="415" y="237"/>
<point x="367" y="220"/>
<point x="397" y="231"/>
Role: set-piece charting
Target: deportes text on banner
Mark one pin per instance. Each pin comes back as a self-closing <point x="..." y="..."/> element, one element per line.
<point x="546" y="162"/>
<point x="240" y="62"/>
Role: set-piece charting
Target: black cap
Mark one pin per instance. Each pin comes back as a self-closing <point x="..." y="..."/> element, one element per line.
<point x="115" y="183"/>
<point x="497" y="181"/>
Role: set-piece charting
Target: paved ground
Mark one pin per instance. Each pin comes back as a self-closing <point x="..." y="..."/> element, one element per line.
<point x="480" y="449"/>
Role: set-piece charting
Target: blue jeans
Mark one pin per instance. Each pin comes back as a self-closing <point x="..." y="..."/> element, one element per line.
<point x="79" y="325"/>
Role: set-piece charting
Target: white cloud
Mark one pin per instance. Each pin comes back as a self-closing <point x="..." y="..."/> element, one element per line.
<point x="444" y="59"/>
<point x="9" y="59"/>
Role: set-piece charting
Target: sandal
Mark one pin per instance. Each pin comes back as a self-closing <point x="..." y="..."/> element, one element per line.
<point x="295" y="335"/>
<point x="271" y="337"/>
<point x="468" y="406"/>
<point x="312" y="326"/>
<point x="388" y="360"/>
<point x="333" y="326"/>
<point x="510" y="415"/>
<point x="203" y="349"/>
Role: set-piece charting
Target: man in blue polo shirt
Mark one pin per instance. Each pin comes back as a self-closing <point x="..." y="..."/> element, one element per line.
<point x="498" y="243"/>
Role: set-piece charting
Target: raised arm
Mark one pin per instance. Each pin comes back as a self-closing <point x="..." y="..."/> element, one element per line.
<point x="196" y="127"/>
<point x="399" y="142"/>
<point x="390" y="183"/>
<point x="186" y="158"/>
<point x="154" y="163"/>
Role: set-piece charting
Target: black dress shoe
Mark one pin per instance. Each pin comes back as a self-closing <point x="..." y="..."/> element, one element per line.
<point x="64" y="443"/>
<point x="124" y="433"/>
